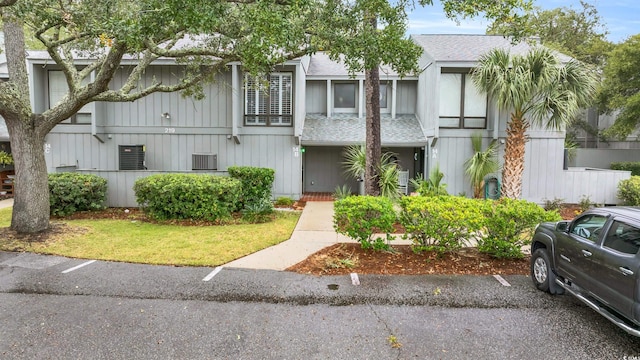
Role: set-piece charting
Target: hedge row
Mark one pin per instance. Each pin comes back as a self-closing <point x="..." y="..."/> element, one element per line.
<point x="445" y="223"/>
<point x="633" y="166"/>
<point x="70" y="192"/>
<point x="188" y="196"/>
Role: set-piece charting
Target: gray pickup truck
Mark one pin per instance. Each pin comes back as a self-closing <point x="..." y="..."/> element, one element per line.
<point x="596" y="258"/>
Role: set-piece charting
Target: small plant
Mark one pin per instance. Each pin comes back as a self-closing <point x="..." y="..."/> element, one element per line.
<point x="341" y="263"/>
<point x="554" y="204"/>
<point x="586" y="203"/>
<point x="341" y="192"/>
<point x="481" y="164"/>
<point x="5" y="158"/>
<point x="393" y="341"/>
<point x="432" y="186"/>
<point x="258" y="212"/>
<point x="388" y="181"/>
<point x="284" y="201"/>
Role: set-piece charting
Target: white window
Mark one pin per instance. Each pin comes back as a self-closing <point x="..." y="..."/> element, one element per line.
<point x="461" y="104"/>
<point x="58" y="88"/>
<point x="383" y="96"/>
<point x="269" y="102"/>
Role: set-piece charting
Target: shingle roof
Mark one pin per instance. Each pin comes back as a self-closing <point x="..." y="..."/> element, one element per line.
<point x="469" y="48"/>
<point x="321" y="65"/>
<point x="345" y="129"/>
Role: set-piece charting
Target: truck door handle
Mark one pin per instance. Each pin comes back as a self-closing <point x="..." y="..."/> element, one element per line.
<point x="565" y="258"/>
<point x="625" y="271"/>
<point x="586" y="253"/>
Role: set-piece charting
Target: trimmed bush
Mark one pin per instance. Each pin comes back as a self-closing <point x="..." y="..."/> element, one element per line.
<point x="629" y="191"/>
<point x="509" y="224"/>
<point x="256" y="183"/>
<point x="188" y="196"/>
<point x="440" y="223"/>
<point x="359" y="217"/>
<point x="71" y="191"/>
<point x="633" y="166"/>
<point x="284" y="201"/>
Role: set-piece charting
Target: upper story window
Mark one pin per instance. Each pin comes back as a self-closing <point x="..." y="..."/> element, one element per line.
<point x="383" y="96"/>
<point x="58" y="88"/>
<point x="461" y="104"/>
<point x="269" y="102"/>
<point x="344" y="96"/>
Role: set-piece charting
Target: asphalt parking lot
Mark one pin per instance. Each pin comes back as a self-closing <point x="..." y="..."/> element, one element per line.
<point x="54" y="307"/>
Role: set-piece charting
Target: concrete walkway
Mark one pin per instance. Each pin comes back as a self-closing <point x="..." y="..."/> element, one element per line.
<point x="6" y="203"/>
<point x="313" y="232"/>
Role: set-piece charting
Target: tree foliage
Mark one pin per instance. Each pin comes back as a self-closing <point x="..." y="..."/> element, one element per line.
<point x="579" y="33"/>
<point x="621" y="87"/>
<point x="202" y="36"/>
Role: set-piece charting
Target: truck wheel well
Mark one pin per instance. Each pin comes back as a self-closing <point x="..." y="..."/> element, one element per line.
<point x="537" y="245"/>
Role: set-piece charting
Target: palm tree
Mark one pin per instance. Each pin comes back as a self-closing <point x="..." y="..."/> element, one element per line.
<point x="538" y="89"/>
<point x="481" y="164"/>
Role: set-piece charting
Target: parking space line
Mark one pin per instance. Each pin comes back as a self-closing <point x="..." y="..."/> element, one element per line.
<point x="212" y="274"/>
<point x="501" y="280"/>
<point x="79" y="266"/>
<point x="354" y="279"/>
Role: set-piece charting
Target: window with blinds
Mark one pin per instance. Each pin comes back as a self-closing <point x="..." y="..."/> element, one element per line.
<point x="58" y="88"/>
<point x="269" y="102"/>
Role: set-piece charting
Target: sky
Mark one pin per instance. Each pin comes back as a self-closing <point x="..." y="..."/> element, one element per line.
<point x="620" y="17"/>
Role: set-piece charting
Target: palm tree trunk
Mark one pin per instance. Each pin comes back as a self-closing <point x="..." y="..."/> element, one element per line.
<point x="513" y="166"/>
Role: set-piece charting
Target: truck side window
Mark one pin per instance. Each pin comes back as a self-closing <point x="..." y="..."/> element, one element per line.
<point x="588" y="227"/>
<point x="623" y="238"/>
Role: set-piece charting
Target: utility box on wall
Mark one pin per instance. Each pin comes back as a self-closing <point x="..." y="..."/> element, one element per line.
<point x="204" y="162"/>
<point x="131" y="157"/>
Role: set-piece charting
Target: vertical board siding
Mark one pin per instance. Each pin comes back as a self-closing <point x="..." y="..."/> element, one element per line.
<point x="170" y="153"/>
<point x="406" y="96"/>
<point x="316" y="93"/>
<point x="213" y="111"/>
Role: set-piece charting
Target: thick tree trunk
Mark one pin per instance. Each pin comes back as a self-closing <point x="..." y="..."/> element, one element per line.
<point x="513" y="166"/>
<point x="31" y="195"/>
<point x="373" y="146"/>
<point x="31" y="191"/>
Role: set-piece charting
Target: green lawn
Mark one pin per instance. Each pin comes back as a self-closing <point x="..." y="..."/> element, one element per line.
<point x="141" y="242"/>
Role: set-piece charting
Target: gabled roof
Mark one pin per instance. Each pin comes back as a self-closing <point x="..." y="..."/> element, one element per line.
<point x="469" y="48"/>
<point x="347" y="129"/>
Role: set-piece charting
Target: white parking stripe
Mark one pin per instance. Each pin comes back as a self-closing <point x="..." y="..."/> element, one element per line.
<point x="212" y="274"/>
<point x="354" y="279"/>
<point x="79" y="266"/>
<point x="501" y="280"/>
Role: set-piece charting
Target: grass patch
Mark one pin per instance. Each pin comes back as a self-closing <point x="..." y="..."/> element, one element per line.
<point x="142" y="242"/>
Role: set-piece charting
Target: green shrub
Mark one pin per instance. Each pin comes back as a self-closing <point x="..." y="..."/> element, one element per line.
<point x="440" y="223"/>
<point x="633" y="166"/>
<point x="629" y="191"/>
<point x="359" y="217"/>
<point x="71" y="191"/>
<point x="256" y="183"/>
<point x="509" y="224"/>
<point x="188" y="196"/>
<point x="284" y="201"/>
<point x="259" y="212"/>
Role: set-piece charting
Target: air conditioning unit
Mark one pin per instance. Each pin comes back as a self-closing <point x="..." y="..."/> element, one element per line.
<point x="204" y="162"/>
<point x="131" y="157"/>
